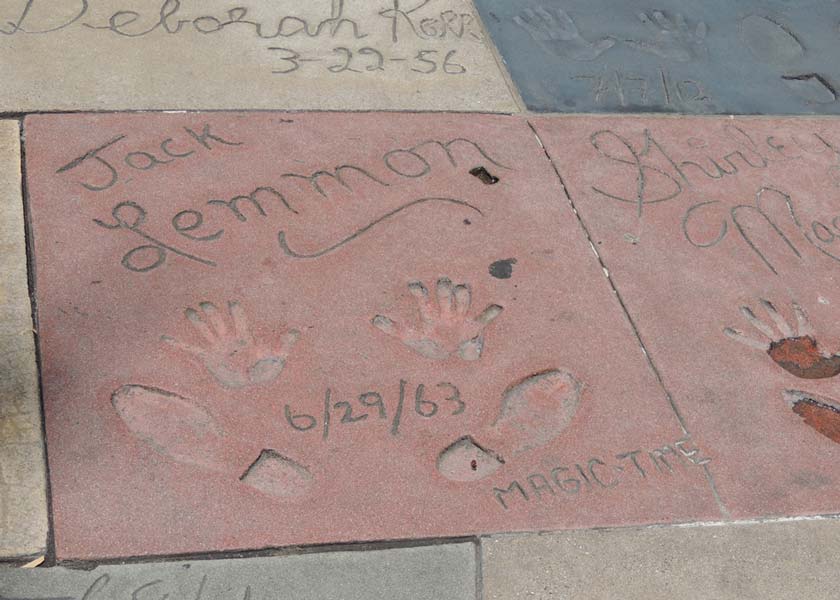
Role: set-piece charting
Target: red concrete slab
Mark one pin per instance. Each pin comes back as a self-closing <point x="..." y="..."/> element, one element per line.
<point x="722" y="238"/>
<point x="272" y="329"/>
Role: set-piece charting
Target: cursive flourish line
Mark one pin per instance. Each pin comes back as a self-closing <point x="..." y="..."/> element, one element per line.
<point x="281" y="236"/>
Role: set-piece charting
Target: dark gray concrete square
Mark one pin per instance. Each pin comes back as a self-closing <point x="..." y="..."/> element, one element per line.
<point x="673" y="56"/>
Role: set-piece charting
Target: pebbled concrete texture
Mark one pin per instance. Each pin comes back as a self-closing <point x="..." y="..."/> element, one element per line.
<point x="23" y="510"/>
<point x="442" y="572"/>
<point x="365" y="354"/>
<point x="761" y="561"/>
<point x="711" y="57"/>
<point x="256" y="54"/>
<point x="721" y="235"/>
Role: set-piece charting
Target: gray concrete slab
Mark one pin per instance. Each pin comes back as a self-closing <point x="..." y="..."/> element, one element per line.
<point x="443" y="572"/>
<point x="711" y="57"/>
<point x="23" y="512"/>
<point x="247" y="54"/>
<point x="759" y="561"/>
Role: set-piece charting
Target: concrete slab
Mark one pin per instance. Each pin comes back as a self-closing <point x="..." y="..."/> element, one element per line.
<point x="721" y="236"/>
<point x="712" y="57"/>
<point x="445" y="572"/>
<point x="257" y="54"/>
<point x="772" y="561"/>
<point x="373" y="326"/>
<point x="23" y="509"/>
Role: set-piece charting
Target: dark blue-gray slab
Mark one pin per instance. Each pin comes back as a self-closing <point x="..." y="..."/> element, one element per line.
<point x="709" y="57"/>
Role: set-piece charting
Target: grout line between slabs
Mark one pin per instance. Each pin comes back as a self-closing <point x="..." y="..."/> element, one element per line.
<point x="479" y="572"/>
<point x="680" y="419"/>
<point x="501" y="65"/>
<point x="31" y="276"/>
<point x="278" y="552"/>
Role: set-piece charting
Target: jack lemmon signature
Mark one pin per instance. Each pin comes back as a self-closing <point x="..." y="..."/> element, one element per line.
<point x="399" y="164"/>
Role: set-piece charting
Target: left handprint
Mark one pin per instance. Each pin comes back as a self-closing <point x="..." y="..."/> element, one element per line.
<point x="232" y="355"/>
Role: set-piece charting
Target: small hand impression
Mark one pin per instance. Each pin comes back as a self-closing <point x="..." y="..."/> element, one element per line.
<point x="232" y="355"/>
<point x="445" y="328"/>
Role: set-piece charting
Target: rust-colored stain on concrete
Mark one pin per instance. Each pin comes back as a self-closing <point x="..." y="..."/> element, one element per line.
<point x="818" y="412"/>
<point x="802" y="357"/>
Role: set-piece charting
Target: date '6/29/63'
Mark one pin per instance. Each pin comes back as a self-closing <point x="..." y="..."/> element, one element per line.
<point x="442" y="400"/>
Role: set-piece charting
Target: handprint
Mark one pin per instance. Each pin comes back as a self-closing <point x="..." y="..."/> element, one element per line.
<point x="672" y="40"/>
<point x="445" y="328"/>
<point x="233" y="357"/>
<point x="797" y="352"/>
<point x="557" y="34"/>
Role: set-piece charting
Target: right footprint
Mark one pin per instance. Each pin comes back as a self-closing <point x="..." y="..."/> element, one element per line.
<point x="533" y="412"/>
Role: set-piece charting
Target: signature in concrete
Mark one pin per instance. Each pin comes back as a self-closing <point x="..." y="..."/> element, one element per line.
<point x="286" y="196"/>
<point x="102" y="588"/>
<point x="35" y="17"/>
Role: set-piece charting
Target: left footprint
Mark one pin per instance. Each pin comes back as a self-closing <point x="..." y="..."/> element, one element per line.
<point x="172" y="425"/>
<point x="182" y="430"/>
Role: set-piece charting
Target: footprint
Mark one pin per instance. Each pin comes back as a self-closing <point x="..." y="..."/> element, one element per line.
<point x="172" y="425"/>
<point x="533" y="412"/>
<point x="180" y="429"/>
<point x="820" y="413"/>
<point x="770" y="41"/>
<point x="275" y="475"/>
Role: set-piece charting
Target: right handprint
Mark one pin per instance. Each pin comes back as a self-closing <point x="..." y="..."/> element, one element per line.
<point x="445" y="327"/>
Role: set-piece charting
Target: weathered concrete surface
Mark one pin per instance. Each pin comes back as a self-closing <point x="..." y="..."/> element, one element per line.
<point x="23" y="511"/>
<point x="767" y="561"/>
<point x="334" y="327"/>
<point x="715" y="56"/>
<point x="723" y="239"/>
<point x="193" y="54"/>
<point x="445" y="572"/>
